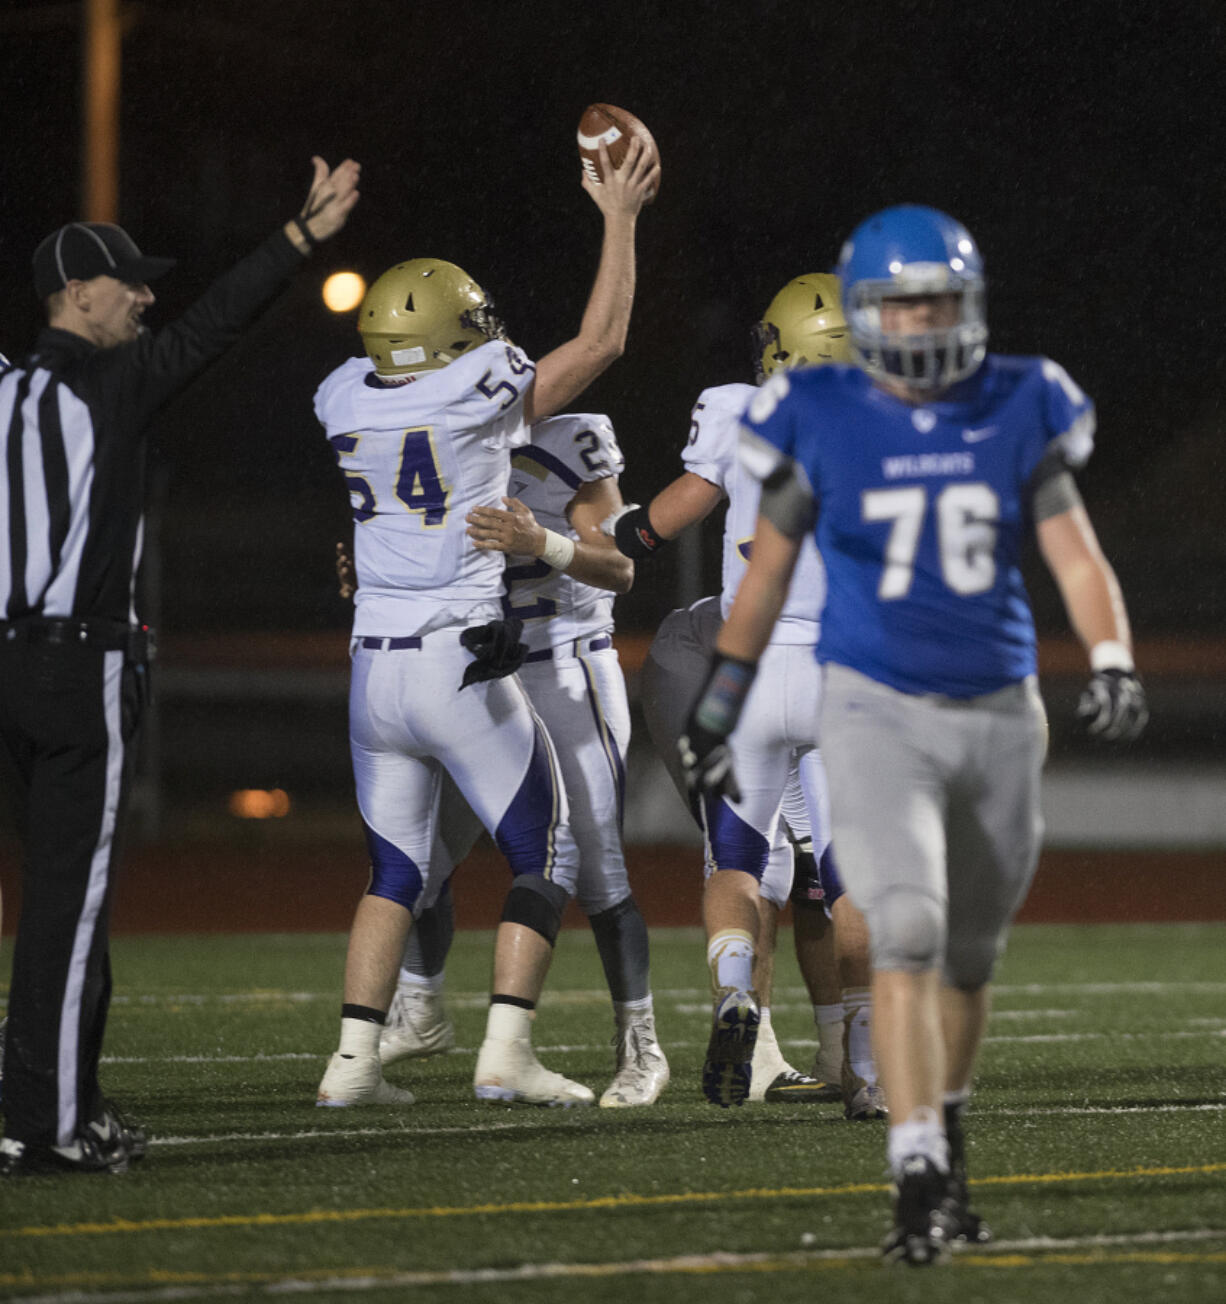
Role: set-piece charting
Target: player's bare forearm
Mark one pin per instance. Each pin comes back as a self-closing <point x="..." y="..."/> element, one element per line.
<point x="761" y="594"/>
<point x="602" y="566"/>
<point x="687" y="500"/>
<point x="1087" y="583"/>
<point x="598" y="560"/>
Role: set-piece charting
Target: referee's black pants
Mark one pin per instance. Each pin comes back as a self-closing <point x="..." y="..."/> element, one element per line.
<point x="69" y="717"/>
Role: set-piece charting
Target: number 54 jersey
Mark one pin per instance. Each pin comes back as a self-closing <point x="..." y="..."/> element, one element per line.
<point x="923" y="511"/>
<point x="416" y="458"/>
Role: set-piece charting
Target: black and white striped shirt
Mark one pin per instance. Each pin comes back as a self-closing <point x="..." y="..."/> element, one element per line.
<point x="74" y="424"/>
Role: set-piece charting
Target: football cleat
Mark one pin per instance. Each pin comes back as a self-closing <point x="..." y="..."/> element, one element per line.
<point x="115" y="1132"/>
<point x="349" y="1081"/>
<point x="799" y="1088"/>
<point x="918" y="1237"/>
<point x="642" y="1070"/>
<point x="959" y="1221"/>
<point x="867" y="1102"/>
<point x="417" y="1025"/>
<point x="509" y="1072"/>
<point x="728" y="1070"/>
<point x="86" y="1154"/>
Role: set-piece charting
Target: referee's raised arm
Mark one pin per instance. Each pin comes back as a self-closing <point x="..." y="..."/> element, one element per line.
<point x="74" y="417"/>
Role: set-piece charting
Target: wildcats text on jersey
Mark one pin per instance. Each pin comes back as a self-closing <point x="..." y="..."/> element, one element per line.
<point x="928" y="464"/>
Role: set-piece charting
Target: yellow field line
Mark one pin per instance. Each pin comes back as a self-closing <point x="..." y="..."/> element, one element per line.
<point x="316" y="1216"/>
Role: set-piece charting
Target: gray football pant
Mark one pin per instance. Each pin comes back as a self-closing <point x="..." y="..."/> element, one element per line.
<point x="935" y="814"/>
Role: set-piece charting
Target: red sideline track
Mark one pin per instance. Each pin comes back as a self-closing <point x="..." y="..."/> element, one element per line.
<point x="212" y="887"/>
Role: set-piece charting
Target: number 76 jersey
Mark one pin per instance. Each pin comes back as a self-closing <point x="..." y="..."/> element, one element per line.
<point x="923" y="512"/>
<point x="416" y="459"/>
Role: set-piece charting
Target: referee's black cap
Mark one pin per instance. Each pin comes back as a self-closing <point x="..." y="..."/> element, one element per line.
<point x="82" y="250"/>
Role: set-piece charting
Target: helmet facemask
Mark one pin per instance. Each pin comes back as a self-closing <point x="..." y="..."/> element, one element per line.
<point x="925" y="360"/>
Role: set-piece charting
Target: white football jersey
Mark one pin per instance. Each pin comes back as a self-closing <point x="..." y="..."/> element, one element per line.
<point x="712" y="453"/>
<point x="566" y="452"/>
<point x="417" y="458"/>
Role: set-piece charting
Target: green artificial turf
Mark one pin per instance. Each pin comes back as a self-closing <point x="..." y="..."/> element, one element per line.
<point x="1097" y="1144"/>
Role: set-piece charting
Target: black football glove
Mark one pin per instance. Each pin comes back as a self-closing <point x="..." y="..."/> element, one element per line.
<point x="706" y="759"/>
<point x="705" y="755"/>
<point x="1112" y="706"/>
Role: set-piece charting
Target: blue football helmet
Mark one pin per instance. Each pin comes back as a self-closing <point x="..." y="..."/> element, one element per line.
<point x="913" y="251"/>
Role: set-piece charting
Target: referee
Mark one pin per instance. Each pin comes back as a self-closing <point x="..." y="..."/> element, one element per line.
<point x="74" y="420"/>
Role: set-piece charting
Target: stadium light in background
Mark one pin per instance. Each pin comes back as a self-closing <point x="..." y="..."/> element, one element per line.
<point x="343" y="291"/>
<point x="259" y="803"/>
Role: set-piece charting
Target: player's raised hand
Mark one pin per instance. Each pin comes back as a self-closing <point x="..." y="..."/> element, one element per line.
<point x="1112" y="706"/>
<point x="333" y="193"/>
<point x="626" y="189"/>
<point x="514" y="530"/>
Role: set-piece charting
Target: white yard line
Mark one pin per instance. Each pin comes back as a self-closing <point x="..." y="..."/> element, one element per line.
<point x="530" y="1119"/>
<point x="361" y="1280"/>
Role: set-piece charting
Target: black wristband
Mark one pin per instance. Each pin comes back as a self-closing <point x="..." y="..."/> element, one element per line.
<point x="304" y="231"/>
<point x="718" y="707"/>
<point x="634" y="536"/>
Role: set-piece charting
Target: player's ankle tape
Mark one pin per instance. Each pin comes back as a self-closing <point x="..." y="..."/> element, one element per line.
<point x="366" y="1013"/>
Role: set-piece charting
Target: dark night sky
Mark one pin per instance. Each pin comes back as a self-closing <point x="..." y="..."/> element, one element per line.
<point x="1082" y="145"/>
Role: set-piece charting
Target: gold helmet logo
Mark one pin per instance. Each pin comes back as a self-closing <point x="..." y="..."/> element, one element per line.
<point x="423" y="314"/>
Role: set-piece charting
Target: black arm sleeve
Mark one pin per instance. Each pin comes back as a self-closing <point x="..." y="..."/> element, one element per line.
<point x="156" y="366"/>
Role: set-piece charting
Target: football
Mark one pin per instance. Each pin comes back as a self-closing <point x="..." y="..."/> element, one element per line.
<point x="614" y="126"/>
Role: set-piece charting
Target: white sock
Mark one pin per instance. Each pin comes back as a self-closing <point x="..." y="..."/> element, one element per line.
<point x="960" y="1097"/>
<point x="920" y="1133"/>
<point x="630" y="1011"/>
<point x="730" y="959"/>
<point x="421" y="981"/>
<point x="858" y="1003"/>
<point x="508" y="1023"/>
<point x="359" y="1038"/>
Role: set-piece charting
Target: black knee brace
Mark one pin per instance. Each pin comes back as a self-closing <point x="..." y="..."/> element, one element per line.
<point x="536" y="904"/>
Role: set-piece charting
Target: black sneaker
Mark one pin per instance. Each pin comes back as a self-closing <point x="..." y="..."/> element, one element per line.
<point x="85" y="1155"/>
<point x="116" y="1133"/>
<point x="918" y="1237"/>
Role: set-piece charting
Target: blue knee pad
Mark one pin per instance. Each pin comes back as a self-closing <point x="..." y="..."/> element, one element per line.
<point x="907" y="930"/>
<point x="734" y="843"/>
<point x="393" y="875"/>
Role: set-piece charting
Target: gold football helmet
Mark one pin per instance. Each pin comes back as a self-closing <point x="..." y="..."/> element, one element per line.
<point x="421" y="315"/>
<point x="804" y="326"/>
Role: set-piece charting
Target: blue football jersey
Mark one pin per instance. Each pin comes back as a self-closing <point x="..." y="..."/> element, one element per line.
<point x="923" y="512"/>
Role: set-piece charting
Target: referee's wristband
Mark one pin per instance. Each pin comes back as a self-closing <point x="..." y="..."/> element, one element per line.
<point x="634" y="535"/>
<point x="304" y="231"/>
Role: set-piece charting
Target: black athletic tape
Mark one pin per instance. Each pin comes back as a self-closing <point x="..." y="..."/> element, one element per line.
<point x="634" y="535"/>
<point x="518" y="1001"/>
<point x="305" y="232"/>
<point x="367" y="1013"/>
<point x="532" y="909"/>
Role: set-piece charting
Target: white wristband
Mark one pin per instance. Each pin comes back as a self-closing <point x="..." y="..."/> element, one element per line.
<point x="558" y="551"/>
<point x="1110" y="654"/>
